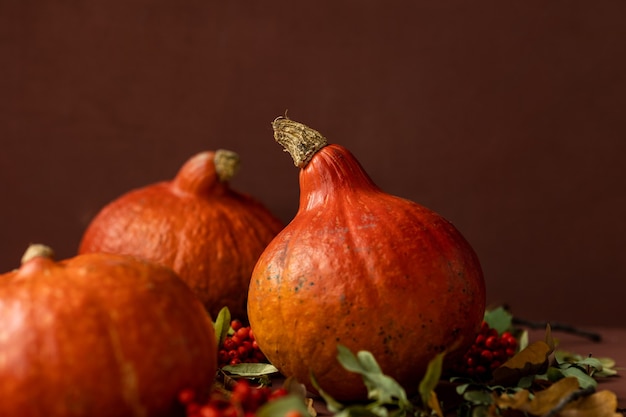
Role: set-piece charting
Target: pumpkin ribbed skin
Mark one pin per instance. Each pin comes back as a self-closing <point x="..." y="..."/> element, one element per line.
<point x="365" y="269"/>
<point x="210" y="234"/>
<point x="100" y="335"/>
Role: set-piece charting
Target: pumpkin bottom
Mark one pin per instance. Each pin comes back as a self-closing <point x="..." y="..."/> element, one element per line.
<point x="307" y="349"/>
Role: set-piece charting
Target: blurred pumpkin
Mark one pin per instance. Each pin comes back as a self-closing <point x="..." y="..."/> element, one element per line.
<point x="362" y="268"/>
<point x="100" y="335"/>
<point x="208" y="233"/>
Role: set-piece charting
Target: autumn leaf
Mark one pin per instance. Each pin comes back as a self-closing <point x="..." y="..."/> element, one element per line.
<point x="532" y="360"/>
<point x="563" y="398"/>
<point x="542" y="402"/>
<point x="599" y="404"/>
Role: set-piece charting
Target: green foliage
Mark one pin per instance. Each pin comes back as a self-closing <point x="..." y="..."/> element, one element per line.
<point x="282" y="406"/>
<point x="222" y="325"/>
<point x="500" y="319"/>
<point x="250" y="370"/>
<point x="538" y="379"/>
<point x="386" y="395"/>
<point x="431" y="378"/>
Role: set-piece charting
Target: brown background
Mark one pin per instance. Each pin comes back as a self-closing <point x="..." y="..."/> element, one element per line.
<point x="505" y="117"/>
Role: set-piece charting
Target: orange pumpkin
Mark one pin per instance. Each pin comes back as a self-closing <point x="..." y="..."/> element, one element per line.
<point x="359" y="267"/>
<point x="195" y="224"/>
<point x="100" y="335"/>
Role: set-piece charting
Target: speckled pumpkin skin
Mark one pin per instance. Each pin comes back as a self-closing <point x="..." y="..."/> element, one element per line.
<point x="210" y="234"/>
<point x="365" y="269"/>
<point x="99" y="336"/>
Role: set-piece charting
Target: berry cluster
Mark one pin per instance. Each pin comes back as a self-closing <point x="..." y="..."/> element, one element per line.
<point x="239" y="347"/>
<point x="243" y="401"/>
<point x="489" y="351"/>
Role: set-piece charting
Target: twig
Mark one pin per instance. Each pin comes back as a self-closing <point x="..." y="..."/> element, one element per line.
<point x="566" y="328"/>
<point x="570" y="398"/>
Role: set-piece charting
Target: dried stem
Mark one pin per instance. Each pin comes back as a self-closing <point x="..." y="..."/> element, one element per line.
<point x="35" y="250"/>
<point x="226" y="164"/>
<point x="566" y="328"/>
<point x="299" y="140"/>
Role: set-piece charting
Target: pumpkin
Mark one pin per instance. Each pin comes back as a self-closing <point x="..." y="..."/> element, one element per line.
<point x="208" y="233"/>
<point x="361" y="268"/>
<point x="100" y="335"/>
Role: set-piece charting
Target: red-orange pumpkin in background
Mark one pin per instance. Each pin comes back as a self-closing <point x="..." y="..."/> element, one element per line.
<point x="196" y="224"/>
<point x="359" y="267"/>
<point x="100" y="335"/>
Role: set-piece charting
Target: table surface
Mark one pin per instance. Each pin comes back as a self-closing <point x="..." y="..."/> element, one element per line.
<point x="612" y="345"/>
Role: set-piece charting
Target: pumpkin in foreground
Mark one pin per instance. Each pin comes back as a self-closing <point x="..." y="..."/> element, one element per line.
<point x="100" y="335"/>
<point x="208" y="233"/>
<point x="362" y="268"/>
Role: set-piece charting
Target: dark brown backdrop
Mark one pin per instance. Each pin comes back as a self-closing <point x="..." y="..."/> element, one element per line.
<point x="505" y="117"/>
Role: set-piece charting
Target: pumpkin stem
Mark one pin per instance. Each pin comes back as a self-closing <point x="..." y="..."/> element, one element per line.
<point x="226" y="164"/>
<point x="35" y="250"/>
<point x="299" y="140"/>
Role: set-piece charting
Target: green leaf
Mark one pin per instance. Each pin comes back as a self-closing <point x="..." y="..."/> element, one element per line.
<point x="250" y="369"/>
<point x="362" y="411"/>
<point x="282" y="406"/>
<point x="591" y="362"/>
<point x="379" y="386"/>
<point x="222" y="325"/>
<point x="500" y="319"/>
<point x="333" y="405"/>
<point x="461" y="388"/>
<point x="553" y="374"/>
<point x="431" y="377"/>
<point x="603" y="366"/>
<point x="368" y="362"/>
<point x="478" y="397"/>
<point x="584" y="380"/>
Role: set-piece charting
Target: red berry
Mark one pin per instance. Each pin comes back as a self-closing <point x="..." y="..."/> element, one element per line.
<point x="242" y="352"/>
<point x="236" y="324"/>
<point x="499" y="354"/>
<point x="486" y="355"/>
<point x="192" y="409"/>
<point x="229" y="344"/>
<point x="243" y="333"/>
<point x="186" y="396"/>
<point x="209" y="411"/>
<point x="491" y="342"/>
<point x="222" y="355"/>
<point x="230" y="411"/>
<point x="278" y="393"/>
<point x="247" y="345"/>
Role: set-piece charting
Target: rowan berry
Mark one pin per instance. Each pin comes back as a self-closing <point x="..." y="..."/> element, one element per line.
<point x="236" y="324"/>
